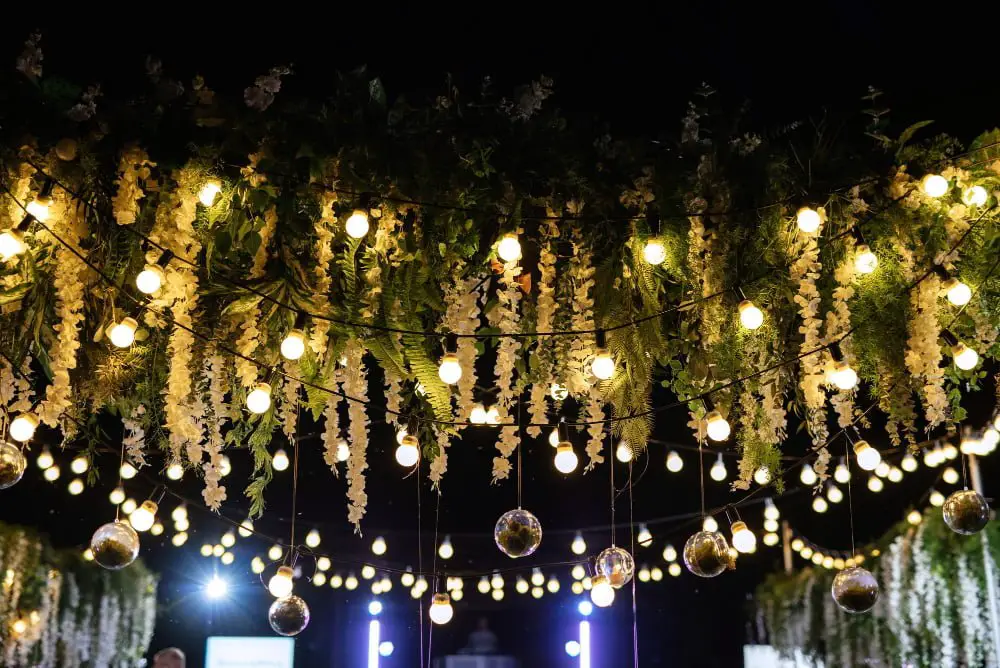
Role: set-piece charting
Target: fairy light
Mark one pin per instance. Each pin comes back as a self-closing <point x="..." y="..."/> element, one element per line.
<point x="441" y="611"/>
<point x="865" y="261"/>
<point x="150" y="279"/>
<point x="771" y="511"/>
<point x="45" y="459"/>
<point x="914" y="517"/>
<point x="808" y="220"/>
<point x="179" y="539"/>
<point x="246" y="529"/>
<point x="313" y="539"/>
<point x="357" y="224"/>
<point x="654" y="252"/>
<point x="143" y="517"/>
<point x="674" y="462"/>
<point x="908" y="463"/>
<point x="975" y="196"/>
<point x="116" y="496"/>
<point x="965" y="358"/>
<point x="208" y="192"/>
<point x="875" y="484"/>
<point x="674" y="569"/>
<point x="51" y="473"/>
<point x="79" y="465"/>
<point x="175" y="471"/>
<point x="280" y="460"/>
<point x="934" y="185"/>
<point x="280" y="585"/>
<point x="645" y="537"/>
<point x="762" y="475"/>
<point x="275" y="552"/>
<point x="834" y="494"/>
<point x="623" y="452"/>
<point x="478" y="414"/>
<point x="509" y="248"/>
<point x="842" y="474"/>
<point x="819" y="504"/>
<point x="710" y="525"/>
<point x="937" y="499"/>
<point x="669" y="554"/>
<point x="379" y="546"/>
<point x="293" y="346"/>
<point x="841" y="374"/>
<point x="122" y="334"/>
<point x="578" y="546"/>
<point x="883" y="469"/>
<point x="603" y="364"/>
<point x="718" y="471"/>
<point x="566" y="460"/>
<point x="751" y="317"/>
<point x="743" y="539"/>
<point x="408" y="452"/>
<point x="771" y="526"/>
<point x="602" y="594"/>
<point x="771" y="539"/>
<point x="446" y="550"/>
<point x="950" y="476"/>
<point x="716" y="426"/>
<point x="957" y="292"/>
<point x="868" y="457"/>
<point x="450" y="370"/>
<point x="554" y="439"/>
<point x="259" y="398"/>
<point x="807" y="476"/>
<point x="75" y="486"/>
<point x="22" y="428"/>
<point x="895" y="474"/>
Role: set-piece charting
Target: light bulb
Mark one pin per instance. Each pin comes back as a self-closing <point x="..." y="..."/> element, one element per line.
<point x="400" y="435"/>
<point x="23" y="427"/>
<point x="441" y="611"/>
<point x="497" y="581"/>
<point x="319" y="579"/>
<point x="407" y="579"/>
<point x="865" y="261"/>
<point x="867" y="456"/>
<point x="208" y="192"/>
<point x="368" y="572"/>
<point x="991" y="436"/>
<point x="445" y="550"/>
<point x="11" y="243"/>
<point x="143" y="517"/>
<point x="150" y="279"/>
<point x="357" y="224"/>
<point x="122" y="334"/>
<point x="957" y="292"/>
<point x="771" y="511"/>
<point x="45" y="459"/>
<point x="771" y="526"/>
<point x="603" y="365"/>
<point x="654" y="252"/>
<point x="808" y="220"/>
<point x="280" y="585"/>
<point x="259" y="398"/>
<point x="478" y="414"/>
<point x="965" y="357"/>
<point x="179" y="539"/>
<point x="323" y="564"/>
<point x="128" y="506"/>
<point x="645" y="538"/>
<point x="806" y="552"/>
<point x="521" y="586"/>
<point x="578" y="546"/>
<point x="116" y="496"/>
<point x="343" y="450"/>
<point x="743" y="539"/>
<point x="156" y="529"/>
<point x="566" y="460"/>
<point x="762" y="475"/>
<point x="895" y="474"/>
<point x="975" y="196"/>
<point x="483" y="586"/>
<point x="950" y="476"/>
<point x="293" y="345"/>
<point x="674" y="569"/>
<point x="554" y="439"/>
<point x="937" y="499"/>
<point x="379" y="546"/>
<point x="875" y="484"/>
<point x="710" y="525"/>
<point x="497" y="594"/>
<point x="175" y="471"/>
<point x="718" y="470"/>
<point x="819" y="504"/>
<point x="882" y="470"/>
<point x="492" y="415"/>
<point x="39" y="208"/>
<point x="771" y="539"/>
<point x="842" y="474"/>
<point x="280" y="460"/>
<point x="79" y="465"/>
<point x="674" y="462"/>
<point x="509" y="248"/>
<point x="602" y="594"/>
<point x="408" y="452"/>
<point x="908" y="463"/>
<point x="914" y="517"/>
<point x="182" y="524"/>
<point x="313" y="539"/>
<point x="807" y="476"/>
<point x="934" y="185"/>
<point x="246" y="529"/>
<point x="578" y="572"/>
<point x="842" y="376"/>
<point x="751" y="317"/>
<point x="623" y="452"/>
<point x="450" y="371"/>
<point x="75" y="486"/>
<point x="717" y="426"/>
<point x="669" y="554"/>
<point x="558" y="392"/>
<point x="350" y="583"/>
<point x="834" y="494"/>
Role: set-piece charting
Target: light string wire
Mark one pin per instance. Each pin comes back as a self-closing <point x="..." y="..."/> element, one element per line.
<point x="420" y="562"/>
<point x="850" y="495"/>
<point x="635" y="608"/>
<point x="437" y="580"/>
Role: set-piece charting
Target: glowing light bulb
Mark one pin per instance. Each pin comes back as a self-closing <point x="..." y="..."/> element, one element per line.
<point x="293" y="346"/>
<point x="710" y="525"/>
<point x="669" y="554"/>
<point x="554" y="439"/>
<point x="208" y="192"/>
<point x="259" y="398"/>
<point x="975" y="196"/>
<point x="602" y="594"/>
<point x="182" y="524"/>
<point x="807" y="476"/>
<point x="129" y="505"/>
<point x="127" y="471"/>
<point x="45" y="459"/>
<point x="957" y="292"/>
<point x="493" y="415"/>
<point x="343" y="450"/>
<point x="558" y="392"/>
<point x="895" y="474"/>
<point x="357" y="224"/>
<point x="762" y="475"/>
<point x="246" y="529"/>
<point x="717" y="426"/>
<point x="445" y="550"/>
<point x="771" y="539"/>
<point x="674" y="569"/>
<point x="39" y="208"/>
<point x="819" y="504"/>
<point x="350" y="583"/>
<point x="156" y="529"/>
<point x="79" y="465"/>
<point x="478" y="414"/>
<point x="834" y="494"/>
<point x="908" y="463"/>
<point x="280" y="460"/>
<point x="882" y="470"/>
<point x="771" y="526"/>
<point x="11" y="243"/>
<point x="875" y="484"/>
<point x="865" y="261"/>
<point x="718" y="471"/>
<point x="150" y="279"/>
<point x="842" y="376"/>
<point x="379" y="546"/>
<point x="644" y="575"/>
<point x="497" y="581"/>
<point x="654" y="252"/>
<point x="143" y="517"/>
<point x="623" y="452"/>
<point x="603" y="365"/>
<point x="51" y="473"/>
<point x="408" y="452"/>
<point x="842" y="474"/>
<point x="450" y="371"/>
<point x="914" y="517"/>
<point x="578" y="546"/>
<point x="75" y="486"/>
<point x="116" y="496"/>
<point x="674" y="462"/>
<point x="743" y="539"/>
<point x="934" y="185"/>
<point x="751" y="317"/>
<point x="808" y="220"/>
<point x="280" y="585"/>
<point x="178" y="539"/>
<point x="175" y="471"/>
<point x="497" y="594"/>
<point x="566" y="460"/>
<point x="937" y="499"/>
<point x="645" y="538"/>
<point x="23" y="427"/>
<point x="950" y="476"/>
<point x="483" y="586"/>
<point x="313" y="539"/>
<point x="122" y="334"/>
<point x="867" y="456"/>
<point x="441" y="611"/>
<point x="509" y="248"/>
<point x="771" y="511"/>
<point x="965" y="358"/>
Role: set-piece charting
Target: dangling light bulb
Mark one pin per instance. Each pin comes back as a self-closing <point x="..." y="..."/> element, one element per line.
<point x="259" y="398"/>
<point x="957" y="292"/>
<point x="602" y="594"/>
<point x="478" y="414"/>
<point x="937" y="499"/>
<point x="445" y="550"/>
<point x="175" y="471"/>
<point x="554" y="439"/>
<point x="280" y="460"/>
<point x="654" y="252"/>
<point x="578" y="546"/>
<point x="865" y="261"/>
<point x="343" y="450"/>
<point x="895" y="474"/>
<point x="379" y="546"/>
<point x="280" y="585"/>
<point x="819" y="504"/>
<point x="716" y="426"/>
<point x="644" y="538"/>
<point x="808" y="220"/>
<point x="75" y="487"/>
<point x="751" y="317"/>
<point x="293" y="346"/>
<point x="718" y="470"/>
<point x="934" y="185"/>
<point x="975" y="196"/>
<point x="875" y="484"/>
<point x="566" y="460"/>
<point x="79" y="465"/>
<point x="51" y="473"/>
<point x="150" y="279"/>
<point x="441" y="611"/>
<point x="842" y="474"/>
<point x="122" y="334"/>
<point x="674" y="462"/>
<point x="143" y="517"/>
<point x="208" y="192"/>
<point x="408" y="452"/>
<point x="743" y="539"/>
<point x="762" y="475"/>
<point x="670" y="554"/>
<point x="509" y="248"/>
<point x="225" y="466"/>
<point x="623" y="452"/>
<point x="710" y="525"/>
<point x="771" y="511"/>
<point x="39" y="208"/>
<point x="908" y="463"/>
<point x="914" y="517"/>
<point x="450" y="371"/>
<point x="357" y="224"/>
<point x="949" y="476"/>
<point x="492" y="415"/>
<point x="45" y="459"/>
<point x="23" y="427"/>
<point x="603" y="364"/>
<point x="843" y="376"/>
<point x="867" y="456"/>
<point x="11" y="243"/>
<point x="807" y="475"/>
<point x="965" y="357"/>
<point x="313" y="539"/>
<point x="834" y="494"/>
<point x="246" y="529"/>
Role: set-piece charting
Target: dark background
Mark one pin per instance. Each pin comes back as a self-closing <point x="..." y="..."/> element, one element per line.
<point x="632" y="66"/>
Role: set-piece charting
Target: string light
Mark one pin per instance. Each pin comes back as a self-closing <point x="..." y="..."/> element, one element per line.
<point x="771" y="526"/>
<point x="819" y="504"/>
<point x="483" y="586"/>
<point x="762" y="476"/>
<point x="808" y="220"/>
<point x="566" y="460"/>
<point x="644" y="575"/>
<point x="379" y="546"/>
<point x="578" y="572"/>
<point x="771" y="511"/>
<point x="122" y="334"/>
<point x="293" y="346"/>
<point x="259" y="398"/>
<point x="22" y="428"/>
<point x="12" y="240"/>
<point x="602" y="594"/>
<point x="280" y="460"/>
<point x="908" y="463"/>
<point x="771" y="539"/>
<point x="129" y="505"/>
<point x="357" y="224"/>
<point x="603" y="364"/>
<point x="882" y="470"/>
<point x="645" y="538"/>
<point x="182" y="524"/>
<point x="834" y="494"/>
<point x="875" y="484"/>
<point x="807" y="475"/>
<point x="246" y="529"/>
<point x="116" y="496"/>
<point x="497" y="594"/>
<point x="937" y="499"/>
<point x="669" y="554"/>
<point x="950" y="476"/>
<point x="975" y="196"/>
<point x="914" y="517"/>
<point x="208" y="192"/>
<point x="751" y="317"/>
<point x="450" y="370"/>
<point x="179" y="539"/>
<point x="865" y="261"/>
<point x="623" y="452"/>
<point x="45" y="459"/>
<point x="957" y="292"/>
<point x="280" y="585"/>
<point x="654" y="252"/>
<point x="445" y="550"/>
<point x="674" y="569"/>
<point x="842" y="474"/>
<point x="554" y="439"/>
<point x="744" y="540"/>
<point x="521" y="586"/>
<point x="965" y="358"/>
<point x="716" y="426"/>
<point x="710" y="525"/>
<point x="275" y="552"/>
<point x="408" y="452"/>
<point x="51" y="473"/>
<point x="934" y="185"/>
<point x="151" y="278"/>
<point x="143" y="517"/>
<point x="175" y="471"/>
<point x="441" y="611"/>
<point x="867" y="456"/>
<point x="718" y="471"/>
<point x="578" y="546"/>
<point x="156" y="529"/>
<point x="895" y="474"/>
<point x="79" y="465"/>
<point x="39" y="207"/>
<point x="537" y="578"/>
<point x="674" y="462"/>
<point x="509" y="248"/>
<point x="478" y="414"/>
<point x="407" y="579"/>
<point x="840" y="373"/>
<point x="350" y="582"/>
<point x="75" y="486"/>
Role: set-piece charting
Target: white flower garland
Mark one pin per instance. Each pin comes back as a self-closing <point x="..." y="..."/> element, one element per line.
<point x="134" y="440"/>
<point x="331" y="424"/>
<point x="545" y="312"/>
<point x="20" y="187"/>
<point x="923" y="352"/>
<point x="505" y="317"/>
<point x="356" y="385"/>
<point x="838" y="323"/>
<point x="324" y="256"/>
<point x="133" y="169"/>
<point x="288" y="409"/>
<point x="213" y="493"/>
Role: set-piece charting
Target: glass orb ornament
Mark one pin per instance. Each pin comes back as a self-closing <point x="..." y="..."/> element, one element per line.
<point x="518" y="533"/>
<point x="751" y="317"/>
<point x="855" y="590"/>
<point x="288" y="616"/>
<point x="115" y="545"/>
<point x="12" y="465"/>
<point x="706" y="554"/>
<point x="808" y="220"/>
<point x="654" y="252"/>
<point x="617" y="565"/>
<point x="966" y="512"/>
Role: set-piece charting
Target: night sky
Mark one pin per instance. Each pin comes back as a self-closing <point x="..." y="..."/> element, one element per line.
<point x="631" y="68"/>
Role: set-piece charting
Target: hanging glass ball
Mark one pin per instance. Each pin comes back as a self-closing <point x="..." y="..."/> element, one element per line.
<point x="288" y="616"/>
<point x="706" y="554"/>
<point x="855" y="590"/>
<point x="115" y="545"/>
<point x="518" y="533"/>
<point x="966" y="512"/>
<point x="617" y="565"/>
<point x="12" y="463"/>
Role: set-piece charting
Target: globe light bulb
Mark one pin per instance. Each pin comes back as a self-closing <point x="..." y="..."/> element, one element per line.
<point x="834" y="494"/>
<point x="441" y="611"/>
<point x="718" y="471"/>
<point x="208" y="192"/>
<point x="407" y="579"/>
<point x="975" y="196"/>
<point x="521" y="586"/>
<point x="603" y="365"/>
<point x="843" y="376"/>
<point x="39" y="208"/>
<point x="908" y="463"/>
<point x="744" y="540"/>
<point x="445" y="550"/>
<point x="957" y="292"/>
<point x="408" y="452"/>
<point x="558" y="392"/>
<point x="293" y="346"/>
<point x="808" y="220"/>
<point x="143" y="517"/>
<point x="175" y="471"/>
<point x="246" y="529"/>
<point x="379" y="546"/>
<point x="717" y="426"/>
<point x="934" y="185"/>
<point x="867" y="456"/>
<point x="578" y="546"/>
<point x="280" y="585"/>
<point x="674" y="569"/>
<point x="771" y="526"/>
<point x="156" y="529"/>
<point x="150" y="279"/>
<point x="79" y="465"/>
<point x="23" y="427"/>
<point x="654" y="252"/>
<point x="751" y="317"/>
<point x="566" y="460"/>
<point x="819" y="504"/>
<point x="368" y="572"/>
<point x="11" y="243"/>
<point x="259" y="398"/>
<point x="45" y="459"/>
<point x="313" y="539"/>
<point x="865" y="261"/>
<point x="950" y="476"/>
<point x="75" y="486"/>
<point x="895" y="474"/>
<point x="497" y="581"/>
<point x="623" y="452"/>
<point x="771" y="511"/>
<point x="483" y="586"/>
<point x="128" y="506"/>
<point x="674" y="462"/>
<point x="875" y="484"/>
<point x="182" y="524"/>
<point x="323" y="564"/>
<point x="806" y="552"/>
<point x="762" y="475"/>
<point x="645" y="537"/>
<point x="965" y="358"/>
<point x="343" y="450"/>
<point x="478" y="414"/>
<point x="450" y="371"/>
<point x="937" y="499"/>
<point x="602" y="594"/>
<point x="497" y="594"/>
<point x="914" y="517"/>
<point x="280" y="460"/>
<point x="882" y="470"/>
<point x="357" y="224"/>
<point x="178" y="539"/>
<point x="842" y="474"/>
<point x="350" y="583"/>
<point x="669" y="554"/>
<point x="509" y="248"/>
<point x="554" y="439"/>
<point x="492" y="415"/>
<point x="710" y="525"/>
<point x="807" y="475"/>
<point x="122" y="334"/>
<point x="771" y="539"/>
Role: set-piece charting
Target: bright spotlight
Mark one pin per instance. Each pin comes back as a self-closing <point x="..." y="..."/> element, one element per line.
<point x="216" y="588"/>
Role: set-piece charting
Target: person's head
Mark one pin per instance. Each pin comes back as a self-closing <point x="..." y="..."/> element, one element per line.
<point x="483" y="624"/>
<point x="169" y="658"/>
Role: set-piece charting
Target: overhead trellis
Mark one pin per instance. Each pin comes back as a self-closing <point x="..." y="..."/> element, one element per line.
<point x="363" y="233"/>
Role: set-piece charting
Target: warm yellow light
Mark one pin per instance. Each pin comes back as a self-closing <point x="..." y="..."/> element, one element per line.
<point x="937" y="499"/>
<point x="669" y="554"/>
<point x="674" y="462"/>
<point x="843" y="376"/>
<point x="558" y="392"/>
<point x="644" y="537"/>
<point x="323" y="563"/>
<point x="175" y="471"/>
<point x="379" y="546"/>
<point x="228" y="539"/>
<point x="718" y="471"/>
<point x="762" y="475"/>
<point x="950" y="476"/>
<point x="623" y="452"/>
<point x="975" y="196"/>
<point x="280" y="460"/>
<point x="143" y="517"/>
<point x="865" y="261"/>
<point x="478" y="414"/>
<point x="710" y="525"/>
<point x="350" y="582"/>
<point x="509" y="248"/>
<point x="246" y="529"/>
<point x="656" y="573"/>
<point x="45" y="459"/>
<point x="751" y="317"/>
<point x="150" y="279"/>
<point x="819" y="504"/>
<point x="79" y="465"/>
<point x="259" y="399"/>
<point x="867" y="456"/>
<point x="602" y="594"/>
<point x="483" y="586"/>
<point x="834" y="494"/>
<point x="206" y="550"/>
<point x="566" y="460"/>
<point x="957" y="292"/>
<point x="883" y="469"/>
<point x="578" y="546"/>
<point x="75" y="486"/>
<point x="280" y="585"/>
<point x="808" y="220"/>
<point x="934" y="185"/>
<point x="208" y="192"/>
<point x="343" y="450"/>
<point x="179" y="539"/>
<point x="914" y="517"/>
<point x="313" y="539"/>
<point x="771" y="539"/>
<point x="875" y="484"/>
<point x="122" y="334"/>
<point x="842" y="474"/>
<point x="127" y="471"/>
<point x="743" y="539"/>
<point x="408" y="452"/>
<point x="965" y="357"/>
<point x="156" y="529"/>
<point x="908" y="463"/>
<point x="603" y="365"/>
<point x="441" y="611"/>
<point x="116" y="496"/>
<point x="293" y="346"/>
<point x="446" y="550"/>
<point x="450" y="370"/>
<point x="771" y="511"/>
<point x="716" y="426"/>
<point x="23" y="427"/>
<point x="497" y="594"/>
<point x="181" y="524"/>
<point x="20" y="626"/>
<point x="654" y="252"/>
<point x="674" y="569"/>
<point x="275" y="552"/>
<point x="51" y="473"/>
<point x="807" y="476"/>
<point x="644" y="575"/>
<point x="895" y="474"/>
<point x="39" y="208"/>
<point x="11" y="243"/>
<point x="128" y="506"/>
<point x="554" y="439"/>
